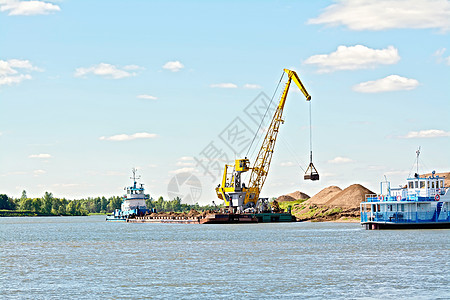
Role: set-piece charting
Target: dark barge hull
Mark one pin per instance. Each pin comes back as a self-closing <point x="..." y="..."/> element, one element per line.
<point x="383" y="225"/>
<point x="219" y="218"/>
<point x="247" y="218"/>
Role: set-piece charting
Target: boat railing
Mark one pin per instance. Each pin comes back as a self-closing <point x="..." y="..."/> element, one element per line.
<point x="437" y="215"/>
<point x="407" y="197"/>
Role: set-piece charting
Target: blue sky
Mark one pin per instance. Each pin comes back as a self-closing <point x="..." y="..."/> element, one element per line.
<point x="91" y="89"/>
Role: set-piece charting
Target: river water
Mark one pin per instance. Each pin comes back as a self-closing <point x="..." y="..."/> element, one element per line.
<point x="88" y="258"/>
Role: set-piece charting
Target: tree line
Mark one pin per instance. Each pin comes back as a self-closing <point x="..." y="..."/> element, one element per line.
<point x="50" y="205"/>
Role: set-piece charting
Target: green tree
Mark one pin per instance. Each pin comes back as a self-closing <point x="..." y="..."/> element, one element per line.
<point x="71" y="208"/>
<point x="114" y="203"/>
<point x="25" y="204"/>
<point x="47" y="202"/>
<point x="6" y="202"/>
<point x="36" y="205"/>
<point x="103" y="205"/>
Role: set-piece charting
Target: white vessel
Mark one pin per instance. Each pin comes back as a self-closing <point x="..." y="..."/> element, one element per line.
<point x="424" y="202"/>
<point x="133" y="202"/>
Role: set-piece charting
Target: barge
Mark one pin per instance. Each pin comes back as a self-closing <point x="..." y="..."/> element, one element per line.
<point x="424" y="202"/>
<point x="216" y="218"/>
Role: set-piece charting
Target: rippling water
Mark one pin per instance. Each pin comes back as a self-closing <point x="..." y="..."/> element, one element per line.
<point x="87" y="258"/>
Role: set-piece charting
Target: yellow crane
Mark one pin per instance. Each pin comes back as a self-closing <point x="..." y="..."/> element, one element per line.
<point x="231" y="190"/>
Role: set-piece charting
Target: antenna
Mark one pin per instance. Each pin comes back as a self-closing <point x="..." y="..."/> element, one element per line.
<point x="418" y="153"/>
<point x="134" y="176"/>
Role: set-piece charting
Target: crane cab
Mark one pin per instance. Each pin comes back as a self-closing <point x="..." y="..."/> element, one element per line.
<point x="242" y="165"/>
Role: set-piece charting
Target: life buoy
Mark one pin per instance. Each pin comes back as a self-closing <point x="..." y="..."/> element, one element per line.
<point x="399" y="197"/>
<point x="437" y="197"/>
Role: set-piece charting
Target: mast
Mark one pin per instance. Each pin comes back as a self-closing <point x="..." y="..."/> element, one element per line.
<point x="134" y="177"/>
<point x="417" y="161"/>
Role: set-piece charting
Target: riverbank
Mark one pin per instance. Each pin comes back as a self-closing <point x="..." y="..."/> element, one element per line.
<point x="22" y="213"/>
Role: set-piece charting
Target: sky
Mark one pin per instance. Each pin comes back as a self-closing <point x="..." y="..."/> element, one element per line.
<point x="91" y="89"/>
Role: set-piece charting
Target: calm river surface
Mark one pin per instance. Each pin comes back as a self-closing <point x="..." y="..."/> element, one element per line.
<point x="87" y="258"/>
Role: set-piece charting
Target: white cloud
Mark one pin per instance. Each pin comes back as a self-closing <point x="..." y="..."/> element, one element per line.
<point x="394" y="173"/>
<point x="9" y="80"/>
<point x="185" y="158"/>
<point x="114" y="173"/>
<point x="354" y="58"/>
<point x="173" y="66"/>
<point x="224" y="85"/>
<point x="439" y="54"/>
<point x="386" y="14"/>
<point x="287" y="164"/>
<point x="431" y="133"/>
<point x="15" y="71"/>
<point x="105" y="70"/>
<point x="185" y="164"/>
<point x="65" y="185"/>
<point x="387" y="84"/>
<point x="28" y="8"/>
<point x="42" y="155"/>
<point x="252" y="86"/>
<point x="39" y="172"/>
<point x="148" y="97"/>
<point x="128" y="137"/>
<point x="183" y="170"/>
<point x="340" y="160"/>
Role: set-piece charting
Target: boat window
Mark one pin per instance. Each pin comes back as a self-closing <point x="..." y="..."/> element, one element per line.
<point x="411" y="185"/>
<point x="432" y="184"/>
<point x="422" y="184"/>
<point x="416" y="184"/>
<point x="402" y="207"/>
<point x="428" y="184"/>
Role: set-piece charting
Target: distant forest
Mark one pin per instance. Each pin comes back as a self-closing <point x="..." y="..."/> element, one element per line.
<point x="50" y="205"/>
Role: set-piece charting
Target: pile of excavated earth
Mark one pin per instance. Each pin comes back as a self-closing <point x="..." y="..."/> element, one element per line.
<point x="330" y="204"/>
<point x="192" y="214"/>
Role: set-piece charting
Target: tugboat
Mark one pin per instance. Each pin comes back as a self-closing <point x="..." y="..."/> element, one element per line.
<point x="424" y="202"/>
<point x="133" y="202"/>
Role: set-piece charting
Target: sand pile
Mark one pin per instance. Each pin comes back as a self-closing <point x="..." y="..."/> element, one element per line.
<point x="324" y="195"/>
<point x="298" y="195"/>
<point x="285" y="198"/>
<point x="351" y="197"/>
<point x="192" y="213"/>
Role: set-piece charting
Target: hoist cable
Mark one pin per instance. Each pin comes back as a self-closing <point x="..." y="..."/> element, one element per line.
<point x="310" y="132"/>
<point x="262" y="120"/>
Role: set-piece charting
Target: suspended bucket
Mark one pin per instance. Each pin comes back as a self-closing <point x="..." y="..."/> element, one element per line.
<point x="311" y="173"/>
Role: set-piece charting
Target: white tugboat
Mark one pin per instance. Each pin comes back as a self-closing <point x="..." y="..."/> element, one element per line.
<point x="133" y="203"/>
<point x="424" y="202"/>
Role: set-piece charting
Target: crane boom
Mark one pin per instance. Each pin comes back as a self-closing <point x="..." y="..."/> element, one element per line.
<point x="262" y="163"/>
<point x="231" y="189"/>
